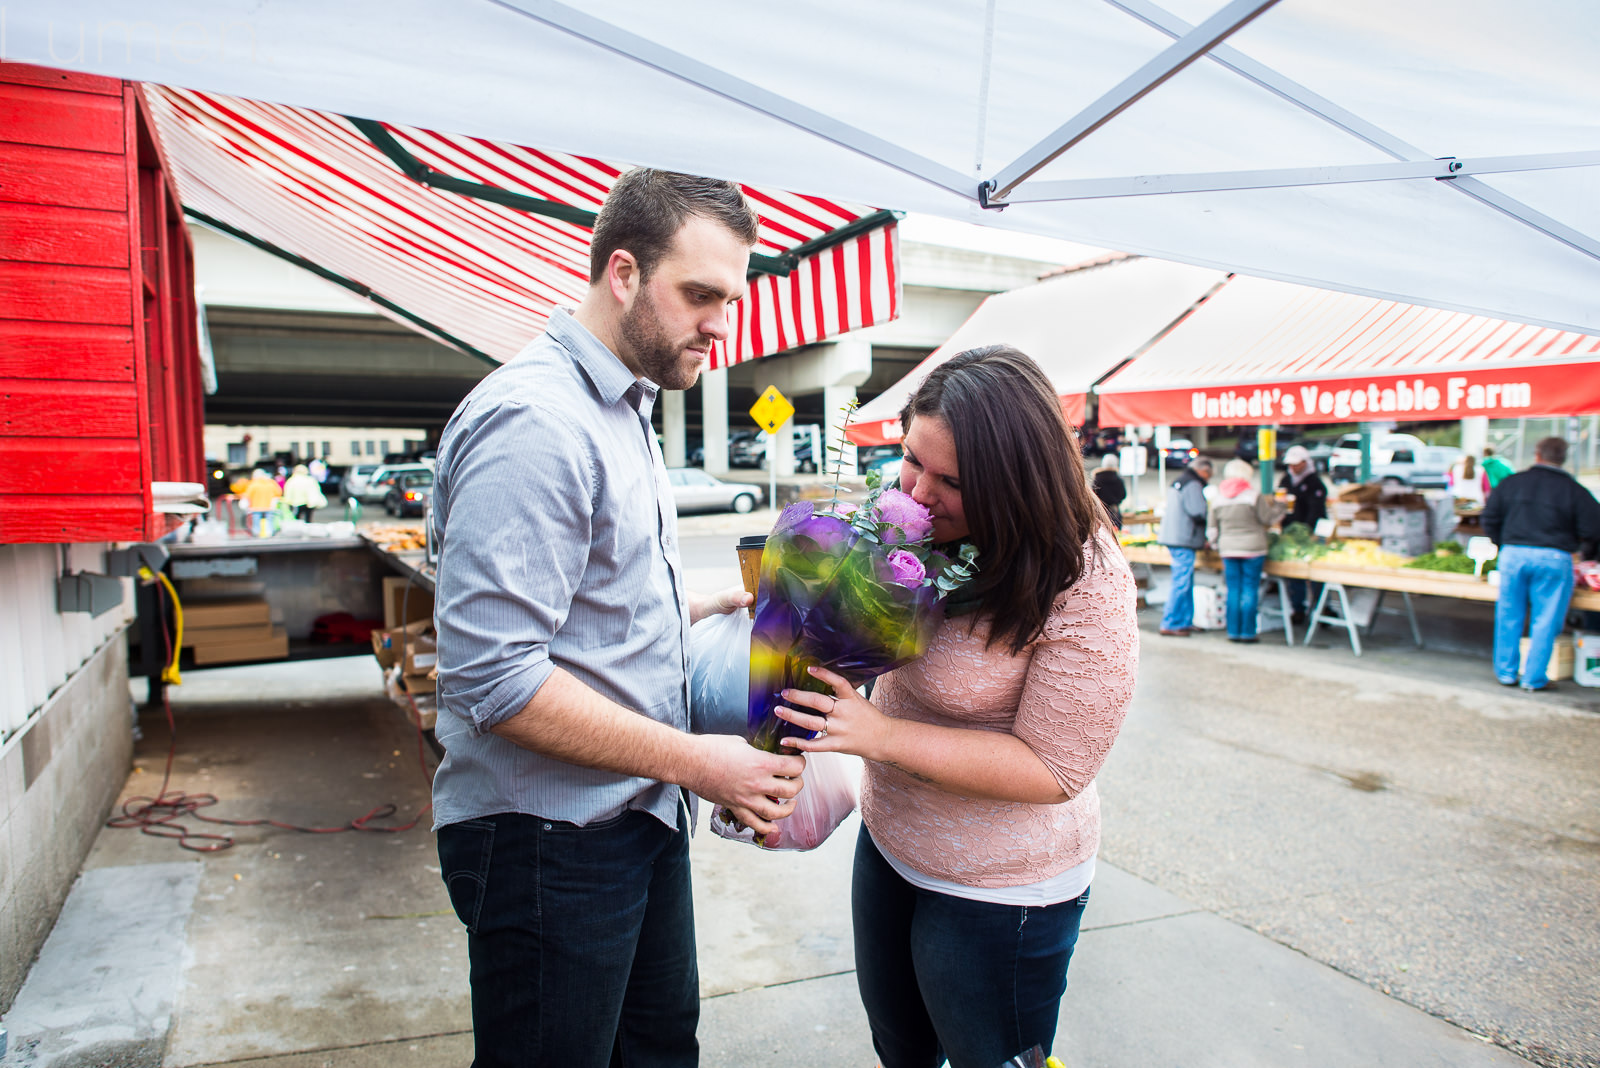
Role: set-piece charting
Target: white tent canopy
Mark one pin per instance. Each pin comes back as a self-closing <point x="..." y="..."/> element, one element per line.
<point x="1079" y="326"/>
<point x="1299" y="140"/>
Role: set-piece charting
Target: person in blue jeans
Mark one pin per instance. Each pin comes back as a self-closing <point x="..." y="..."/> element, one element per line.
<point x="1539" y="518"/>
<point x="1183" y="532"/>
<point x="1237" y="527"/>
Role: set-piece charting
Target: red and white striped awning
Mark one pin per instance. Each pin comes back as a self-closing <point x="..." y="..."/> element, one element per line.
<point x="476" y="274"/>
<point x="1264" y="352"/>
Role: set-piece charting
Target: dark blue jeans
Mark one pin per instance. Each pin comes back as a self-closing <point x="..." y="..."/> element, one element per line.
<point x="942" y="976"/>
<point x="581" y="940"/>
<point x="1243" y="576"/>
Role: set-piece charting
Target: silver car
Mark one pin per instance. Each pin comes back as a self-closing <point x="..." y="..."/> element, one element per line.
<point x="695" y="491"/>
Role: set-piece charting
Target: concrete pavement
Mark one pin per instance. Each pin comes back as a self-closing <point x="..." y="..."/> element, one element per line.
<point x="1308" y="860"/>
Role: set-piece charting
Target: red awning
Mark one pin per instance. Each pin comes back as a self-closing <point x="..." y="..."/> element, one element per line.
<point x="436" y="249"/>
<point x="1263" y="352"/>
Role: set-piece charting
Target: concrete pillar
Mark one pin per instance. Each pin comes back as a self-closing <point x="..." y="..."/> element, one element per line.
<point x="714" y="419"/>
<point x="674" y="428"/>
<point x="834" y="398"/>
<point x="1474" y="435"/>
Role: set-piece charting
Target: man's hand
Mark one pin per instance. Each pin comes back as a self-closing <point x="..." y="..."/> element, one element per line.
<point x="757" y="787"/>
<point x="720" y="603"/>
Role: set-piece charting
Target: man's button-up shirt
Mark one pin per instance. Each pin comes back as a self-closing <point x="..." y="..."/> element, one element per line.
<point x="558" y="548"/>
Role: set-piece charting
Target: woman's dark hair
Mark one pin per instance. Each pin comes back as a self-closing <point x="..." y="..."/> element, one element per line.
<point x="646" y="208"/>
<point x="1027" y="499"/>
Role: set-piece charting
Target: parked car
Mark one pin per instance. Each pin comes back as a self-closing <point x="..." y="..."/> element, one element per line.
<point x="695" y="491"/>
<point x="1180" y="452"/>
<point x="1345" y="460"/>
<point x="408" y="492"/>
<point x="873" y="457"/>
<point x="746" y="448"/>
<point x="378" y="485"/>
<point x="1403" y="458"/>
<point x="356" y="477"/>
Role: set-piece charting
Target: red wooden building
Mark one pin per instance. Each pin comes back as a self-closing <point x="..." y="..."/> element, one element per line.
<point x="100" y="389"/>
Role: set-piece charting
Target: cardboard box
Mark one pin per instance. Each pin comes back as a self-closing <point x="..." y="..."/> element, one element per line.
<point x="389" y="645"/>
<point x="274" y="647"/>
<point x="193" y="636"/>
<point x="1210" y="608"/>
<point x="402" y="606"/>
<point x="1362" y="492"/>
<point x="1358" y="528"/>
<point x="1561" y="658"/>
<point x="1396" y="521"/>
<point x="419" y="684"/>
<point x="1416" y="543"/>
<point x="244" y="612"/>
<point x="1586" y="659"/>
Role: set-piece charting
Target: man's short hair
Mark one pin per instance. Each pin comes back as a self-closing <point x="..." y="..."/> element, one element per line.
<point x="646" y="208"/>
<point x="1202" y="461"/>
<point x="1551" y="450"/>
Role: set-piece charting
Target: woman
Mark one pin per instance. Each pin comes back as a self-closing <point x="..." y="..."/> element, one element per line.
<point x="1237" y="526"/>
<point x="980" y="816"/>
<point x="1467" y="482"/>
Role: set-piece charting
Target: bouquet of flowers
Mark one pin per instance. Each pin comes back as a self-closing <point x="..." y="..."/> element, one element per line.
<point x="858" y="591"/>
<point x="854" y="590"/>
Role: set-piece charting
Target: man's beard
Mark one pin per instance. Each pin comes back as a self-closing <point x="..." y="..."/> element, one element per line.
<point x="662" y="359"/>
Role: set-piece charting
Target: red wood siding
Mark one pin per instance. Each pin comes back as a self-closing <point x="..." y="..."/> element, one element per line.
<point x="99" y="361"/>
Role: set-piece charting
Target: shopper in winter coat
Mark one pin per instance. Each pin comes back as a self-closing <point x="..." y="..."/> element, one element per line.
<point x="1183" y="532"/>
<point x="1539" y="518"/>
<point x="1237" y="527"/>
<point x="1109" y="487"/>
<point x="301" y="492"/>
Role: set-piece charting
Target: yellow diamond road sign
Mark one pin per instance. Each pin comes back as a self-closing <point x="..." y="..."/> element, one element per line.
<point x="772" y="410"/>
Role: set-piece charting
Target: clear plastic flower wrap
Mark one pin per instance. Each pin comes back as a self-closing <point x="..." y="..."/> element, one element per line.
<point x="856" y="590"/>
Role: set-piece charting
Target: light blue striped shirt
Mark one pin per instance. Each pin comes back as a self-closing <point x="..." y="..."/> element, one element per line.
<point x="558" y="548"/>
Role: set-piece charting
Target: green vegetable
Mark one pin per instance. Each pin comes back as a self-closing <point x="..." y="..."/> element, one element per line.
<point x="1451" y="562"/>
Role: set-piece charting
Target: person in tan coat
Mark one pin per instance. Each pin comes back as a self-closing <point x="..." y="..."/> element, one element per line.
<point x="1236" y="526"/>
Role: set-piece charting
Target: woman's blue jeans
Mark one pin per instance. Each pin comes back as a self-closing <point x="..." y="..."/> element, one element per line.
<point x="943" y="977"/>
<point x="1542" y="579"/>
<point x="1243" y="576"/>
<point x="581" y="940"/>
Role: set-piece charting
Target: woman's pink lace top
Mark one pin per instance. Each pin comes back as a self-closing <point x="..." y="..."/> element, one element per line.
<point x="1065" y="695"/>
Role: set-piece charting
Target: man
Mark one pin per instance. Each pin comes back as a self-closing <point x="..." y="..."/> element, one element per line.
<point x="1183" y="532"/>
<point x="561" y="803"/>
<point x="1539" y="518"/>
<point x="1494" y="467"/>
<point x="1301" y="481"/>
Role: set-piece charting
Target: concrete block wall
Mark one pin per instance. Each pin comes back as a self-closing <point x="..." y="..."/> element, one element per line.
<point x="59" y="779"/>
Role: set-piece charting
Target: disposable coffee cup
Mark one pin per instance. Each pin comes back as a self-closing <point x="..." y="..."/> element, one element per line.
<point x="750" y="548"/>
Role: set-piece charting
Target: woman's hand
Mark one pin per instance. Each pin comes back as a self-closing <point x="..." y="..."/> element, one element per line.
<point x="848" y="722"/>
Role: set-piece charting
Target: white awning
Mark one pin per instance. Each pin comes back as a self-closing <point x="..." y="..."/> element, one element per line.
<point x="1436" y="152"/>
<point x="1079" y="325"/>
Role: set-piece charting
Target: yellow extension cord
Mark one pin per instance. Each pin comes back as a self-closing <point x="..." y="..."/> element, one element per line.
<point x="169" y="674"/>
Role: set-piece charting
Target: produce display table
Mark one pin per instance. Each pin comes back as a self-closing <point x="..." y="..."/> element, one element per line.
<point x="1336" y="578"/>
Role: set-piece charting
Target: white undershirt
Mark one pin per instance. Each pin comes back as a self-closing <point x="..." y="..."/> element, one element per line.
<point x="1067" y="886"/>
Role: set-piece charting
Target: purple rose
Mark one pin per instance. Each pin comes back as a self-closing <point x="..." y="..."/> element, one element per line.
<point x="825" y="531"/>
<point x="906" y="568"/>
<point x="908" y="521"/>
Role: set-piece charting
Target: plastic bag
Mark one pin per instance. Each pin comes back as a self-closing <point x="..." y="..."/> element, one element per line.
<point x="832" y="787"/>
<point x="1033" y="1058"/>
<point x="719" y="674"/>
